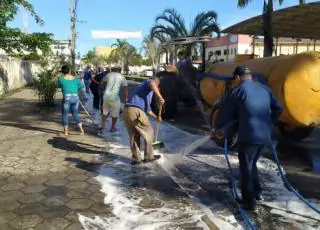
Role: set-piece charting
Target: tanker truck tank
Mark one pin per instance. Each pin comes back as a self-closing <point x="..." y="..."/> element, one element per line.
<point x="294" y="79"/>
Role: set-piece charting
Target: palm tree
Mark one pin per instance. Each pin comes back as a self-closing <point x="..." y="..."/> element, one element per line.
<point x="129" y="52"/>
<point x="123" y="50"/>
<point x="170" y="24"/>
<point x="267" y="23"/>
<point x="89" y="57"/>
<point x="152" y="50"/>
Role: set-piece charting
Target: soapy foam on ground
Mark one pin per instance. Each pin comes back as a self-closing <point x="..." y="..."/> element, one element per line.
<point x="127" y="214"/>
<point x="175" y="141"/>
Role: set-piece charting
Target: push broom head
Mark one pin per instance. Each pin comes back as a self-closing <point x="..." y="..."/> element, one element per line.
<point x="158" y="145"/>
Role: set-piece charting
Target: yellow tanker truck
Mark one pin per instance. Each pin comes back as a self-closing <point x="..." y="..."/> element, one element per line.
<point x="294" y="79"/>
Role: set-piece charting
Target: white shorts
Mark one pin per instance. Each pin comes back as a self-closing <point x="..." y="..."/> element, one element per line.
<point x="114" y="106"/>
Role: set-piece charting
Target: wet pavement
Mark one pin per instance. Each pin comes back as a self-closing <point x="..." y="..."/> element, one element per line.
<point x="40" y="186"/>
<point x="87" y="182"/>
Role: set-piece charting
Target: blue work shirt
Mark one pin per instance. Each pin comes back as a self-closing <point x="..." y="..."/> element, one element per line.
<point x="255" y="108"/>
<point x="141" y="97"/>
<point x="87" y="75"/>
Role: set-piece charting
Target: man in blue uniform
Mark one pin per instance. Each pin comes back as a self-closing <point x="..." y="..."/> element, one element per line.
<point x="87" y="77"/>
<point x="256" y="109"/>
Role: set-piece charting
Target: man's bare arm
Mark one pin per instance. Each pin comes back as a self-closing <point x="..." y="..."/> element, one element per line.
<point x="155" y="89"/>
<point x="126" y="93"/>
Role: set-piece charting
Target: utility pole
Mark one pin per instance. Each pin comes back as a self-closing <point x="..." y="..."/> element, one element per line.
<point x="25" y="20"/>
<point x="73" y="34"/>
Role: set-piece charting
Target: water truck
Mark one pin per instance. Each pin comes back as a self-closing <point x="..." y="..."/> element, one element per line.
<point x="294" y="79"/>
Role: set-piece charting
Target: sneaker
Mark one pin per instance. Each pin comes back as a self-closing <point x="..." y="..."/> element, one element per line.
<point x="100" y="131"/>
<point x="135" y="162"/>
<point x="155" y="157"/>
<point x="259" y="197"/>
<point x="113" y="130"/>
<point x="249" y="208"/>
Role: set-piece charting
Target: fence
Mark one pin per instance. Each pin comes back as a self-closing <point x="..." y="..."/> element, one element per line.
<point x="15" y="74"/>
<point x="137" y="78"/>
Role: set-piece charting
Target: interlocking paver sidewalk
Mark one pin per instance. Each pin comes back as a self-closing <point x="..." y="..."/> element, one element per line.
<point x="40" y="185"/>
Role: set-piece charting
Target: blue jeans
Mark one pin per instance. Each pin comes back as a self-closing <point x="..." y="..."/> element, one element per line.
<point x="248" y="155"/>
<point x="87" y="85"/>
<point x="70" y="103"/>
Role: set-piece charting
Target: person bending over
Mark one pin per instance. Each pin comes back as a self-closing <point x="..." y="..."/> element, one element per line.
<point x="136" y="119"/>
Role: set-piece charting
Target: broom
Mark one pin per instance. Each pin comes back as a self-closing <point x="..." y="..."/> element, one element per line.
<point x="158" y="144"/>
<point x="88" y="114"/>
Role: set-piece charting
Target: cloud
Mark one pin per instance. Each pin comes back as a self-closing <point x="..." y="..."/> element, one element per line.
<point x="98" y="34"/>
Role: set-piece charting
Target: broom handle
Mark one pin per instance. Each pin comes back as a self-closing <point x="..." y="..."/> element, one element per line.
<point x="158" y="124"/>
<point x="84" y="108"/>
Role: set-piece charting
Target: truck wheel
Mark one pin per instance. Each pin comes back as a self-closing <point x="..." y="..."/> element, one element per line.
<point x="294" y="133"/>
<point x="168" y="90"/>
<point x="218" y="138"/>
<point x="185" y="93"/>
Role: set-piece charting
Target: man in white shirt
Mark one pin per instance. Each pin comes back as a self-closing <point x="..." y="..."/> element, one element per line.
<point x="111" y="100"/>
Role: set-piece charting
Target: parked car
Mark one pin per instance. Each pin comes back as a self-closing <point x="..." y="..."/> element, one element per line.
<point x="148" y="73"/>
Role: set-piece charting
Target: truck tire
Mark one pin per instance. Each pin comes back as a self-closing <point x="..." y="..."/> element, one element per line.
<point x="294" y="133"/>
<point x="219" y="137"/>
<point x="185" y="93"/>
<point x="169" y="91"/>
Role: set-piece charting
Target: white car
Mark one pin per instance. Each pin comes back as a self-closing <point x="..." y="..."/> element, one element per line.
<point x="149" y="73"/>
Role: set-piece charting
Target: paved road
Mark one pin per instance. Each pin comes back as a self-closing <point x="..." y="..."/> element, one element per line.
<point x="296" y="157"/>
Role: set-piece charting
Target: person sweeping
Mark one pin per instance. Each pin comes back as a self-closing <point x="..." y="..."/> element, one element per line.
<point x="70" y="87"/>
<point x="136" y="119"/>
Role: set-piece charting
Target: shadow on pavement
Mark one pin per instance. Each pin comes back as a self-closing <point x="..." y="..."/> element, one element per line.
<point x="29" y="127"/>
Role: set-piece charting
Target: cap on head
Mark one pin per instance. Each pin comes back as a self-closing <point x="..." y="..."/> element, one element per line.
<point x="241" y="71"/>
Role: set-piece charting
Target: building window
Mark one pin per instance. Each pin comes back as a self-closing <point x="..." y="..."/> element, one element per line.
<point x="218" y="52"/>
<point x="235" y="51"/>
<point x="231" y="51"/>
<point x="225" y="52"/>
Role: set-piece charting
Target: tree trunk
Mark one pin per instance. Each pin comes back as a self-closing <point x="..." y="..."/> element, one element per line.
<point x="122" y="66"/>
<point x="167" y="57"/>
<point x="203" y="57"/>
<point x="171" y="58"/>
<point x="174" y="56"/>
<point x="267" y="28"/>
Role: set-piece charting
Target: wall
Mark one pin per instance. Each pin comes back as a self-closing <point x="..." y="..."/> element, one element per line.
<point x="286" y="49"/>
<point x="15" y="74"/>
<point x="232" y="49"/>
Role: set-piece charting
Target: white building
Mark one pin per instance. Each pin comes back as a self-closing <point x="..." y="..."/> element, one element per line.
<point x="61" y="47"/>
<point x="227" y="47"/>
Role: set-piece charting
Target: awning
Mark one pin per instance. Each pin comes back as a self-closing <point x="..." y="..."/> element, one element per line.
<point x="301" y="21"/>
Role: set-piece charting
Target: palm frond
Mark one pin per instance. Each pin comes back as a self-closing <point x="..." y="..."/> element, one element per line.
<point x="213" y="28"/>
<point x="161" y="29"/>
<point x="204" y="20"/>
<point x="243" y="3"/>
<point x="172" y="18"/>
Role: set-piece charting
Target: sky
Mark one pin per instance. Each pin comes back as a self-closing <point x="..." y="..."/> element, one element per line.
<point x="126" y="15"/>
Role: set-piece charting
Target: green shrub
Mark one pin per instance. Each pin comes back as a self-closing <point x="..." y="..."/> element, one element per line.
<point x="46" y="87"/>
